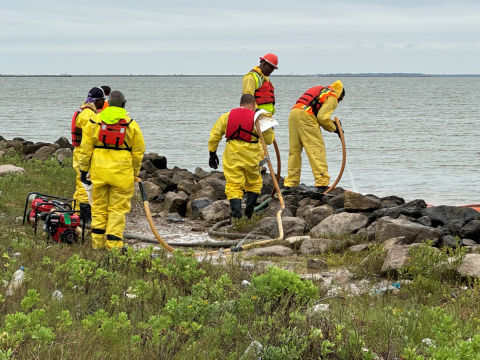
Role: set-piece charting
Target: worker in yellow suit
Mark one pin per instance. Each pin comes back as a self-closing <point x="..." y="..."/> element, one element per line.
<point x="95" y="100"/>
<point x="242" y="154"/>
<point x="312" y="111"/>
<point x="112" y="150"/>
<point x="257" y="83"/>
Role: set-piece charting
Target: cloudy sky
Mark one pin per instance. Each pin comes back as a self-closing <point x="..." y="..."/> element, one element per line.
<point x="226" y="37"/>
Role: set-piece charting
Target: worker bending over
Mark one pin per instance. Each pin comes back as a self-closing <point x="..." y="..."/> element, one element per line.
<point x="312" y="110"/>
<point x="112" y="150"/>
<point x="95" y="100"/>
<point x="242" y="154"/>
<point x="256" y="83"/>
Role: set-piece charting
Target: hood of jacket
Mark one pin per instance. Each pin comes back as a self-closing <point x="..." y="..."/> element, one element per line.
<point x="113" y="114"/>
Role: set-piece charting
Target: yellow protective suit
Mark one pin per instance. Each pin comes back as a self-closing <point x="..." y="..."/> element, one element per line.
<point x="304" y="132"/>
<point x="250" y="84"/>
<point x="240" y="160"/>
<point x="88" y="112"/>
<point x="112" y="174"/>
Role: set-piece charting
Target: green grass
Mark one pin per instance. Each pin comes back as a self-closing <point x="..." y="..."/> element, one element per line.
<point x="181" y="309"/>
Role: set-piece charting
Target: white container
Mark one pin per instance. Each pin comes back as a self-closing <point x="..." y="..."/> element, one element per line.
<point x="17" y="280"/>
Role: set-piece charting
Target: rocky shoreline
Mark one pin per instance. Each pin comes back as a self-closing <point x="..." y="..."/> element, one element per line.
<point x="309" y="218"/>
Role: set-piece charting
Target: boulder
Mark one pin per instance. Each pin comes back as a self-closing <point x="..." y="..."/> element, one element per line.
<point x="31" y="149"/>
<point x="64" y="143"/>
<point x="183" y="175"/>
<point x="197" y="205"/>
<point x="366" y="234"/>
<point x="296" y="241"/>
<point x="411" y="209"/>
<point x="217" y="211"/>
<point x="174" y="218"/>
<point x="453" y="228"/>
<point x="208" y="192"/>
<point x="344" y="223"/>
<point x="315" y="246"/>
<point x="216" y="183"/>
<point x="274" y="206"/>
<point x="337" y="202"/>
<point x="470" y="265"/>
<point x="153" y="191"/>
<point x="316" y="215"/>
<point x="176" y="202"/>
<point x="357" y="202"/>
<point x="471" y="230"/>
<point x="148" y="167"/>
<point x="165" y="183"/>
<point x="441" y="215"/>
<point x="276" y="250"/>
<point x="2" y="138"/>
<point x="186" y="186"/>
<point x="15" y="144"/>
<point x="391" y="201"/>
<point x="291" y="227"/>
<point x="46" y="152"/>
<point x="337" y="191"/>
<point x="11" y="169"/>
<point x="201" y="174"/>
<point x="301" y="210"/>
<point x="388" y="228"/>
<point x="447" y="241"/>
<point x="394" y="241"/>
<point x="398" y="256"/>
<point x="316" y="264"/>
<point x="62" y="154"/>
<point x="165" y="172"/>
<point x="308" y="202"/>
<point x="425" y="221"/>
<point x="143" y="175"/>
<point x="359" y="247"/>
<point x="160" y="162"/>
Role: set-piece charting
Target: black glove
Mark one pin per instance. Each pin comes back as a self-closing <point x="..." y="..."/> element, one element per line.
<point x="83" y="178"/>
<point x="213" y="161"/>
<point x="338" y="132"/>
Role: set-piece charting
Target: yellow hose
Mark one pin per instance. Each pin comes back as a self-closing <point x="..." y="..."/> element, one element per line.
<point x="344" y="154"/>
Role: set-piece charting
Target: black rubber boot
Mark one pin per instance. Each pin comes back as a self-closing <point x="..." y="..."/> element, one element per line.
<point x="86" y="209"/>
<point x="250" y="201"/>
<point x="236" y="207"/>
<point x="322" y="189"/>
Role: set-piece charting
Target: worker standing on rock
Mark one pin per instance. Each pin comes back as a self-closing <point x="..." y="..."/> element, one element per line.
<point x="112" y="150"/>
<point x="256" y="83"/>
<point x="312" y="111"/>
<point x="242" y="154"/>
<point x="95" y="100"/>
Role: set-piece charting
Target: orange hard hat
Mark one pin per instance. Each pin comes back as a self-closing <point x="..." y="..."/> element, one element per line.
<point x="272" y="59"/>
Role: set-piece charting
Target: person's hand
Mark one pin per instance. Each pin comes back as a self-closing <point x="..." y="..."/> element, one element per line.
<point x="83" y="178"/>
<point x="213" y="161"/>
<point x="338" y="132"/>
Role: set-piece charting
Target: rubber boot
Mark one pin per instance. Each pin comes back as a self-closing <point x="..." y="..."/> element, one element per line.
<point x="236" y="207"/>
<point x="86" y="209"/>
<point x="250" y="201"/>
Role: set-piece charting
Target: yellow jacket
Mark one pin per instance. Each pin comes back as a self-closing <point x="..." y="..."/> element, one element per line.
<point x="325" y="112"/>
<point x="88" y="112"/>
<point x="250" y="84"/>
<point x="112" y="162"/>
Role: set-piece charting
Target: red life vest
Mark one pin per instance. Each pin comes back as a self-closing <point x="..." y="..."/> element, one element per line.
<point x="264" y="94"/>
<point x="76" y="131"/>
<point x="314" y="98"/>
<point x="113" y="134"/>
<point x="240" y="125"/>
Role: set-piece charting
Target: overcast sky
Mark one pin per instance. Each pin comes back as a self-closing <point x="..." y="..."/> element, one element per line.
<point x="227" y="37"/>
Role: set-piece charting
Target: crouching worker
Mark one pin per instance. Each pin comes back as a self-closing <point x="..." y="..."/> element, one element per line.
<point x="242" y="154"/>
<point x="112" y="150"/>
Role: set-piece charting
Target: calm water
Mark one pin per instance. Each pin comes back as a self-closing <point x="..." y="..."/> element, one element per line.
<point x="412" y="137"/>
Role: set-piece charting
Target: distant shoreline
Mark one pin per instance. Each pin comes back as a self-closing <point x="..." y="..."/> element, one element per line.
<point x="309" y="75"/>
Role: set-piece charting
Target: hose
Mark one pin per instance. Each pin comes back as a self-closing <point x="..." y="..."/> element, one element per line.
<point x="184" y="244"/>
<point x="344" y="153"/>
<point x="279" y="167"/>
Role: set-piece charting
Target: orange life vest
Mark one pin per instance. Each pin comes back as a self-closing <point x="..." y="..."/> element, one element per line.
<point x="264" y="94"/>
<point x="240" y="125"/>
<point x="313" y="99"/>
<point x="76" y="131"/>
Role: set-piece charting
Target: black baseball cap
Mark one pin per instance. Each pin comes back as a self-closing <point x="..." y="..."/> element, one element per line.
<point x="96" y="93"/>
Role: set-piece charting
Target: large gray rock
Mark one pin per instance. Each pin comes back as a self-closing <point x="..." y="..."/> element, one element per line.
<point x="411" y="209"/>
<point x="46" y="152"/>
<point x="201" y="174"/>
<point x="425" y="221"/>
<point x="441" y="215"/>
<point x="301" y="210"/>
<point x="358" y="202"/>
<point x="165" y="183"/>
<point x="291" y="227"/>
<point x="315" y="246"/>
<point x="398" y="256"/>
<point x="471" y="230"/>
<point x="148" y="167"/>
<point x="366" y="234"/>
<point x="176" y="202"/>
<point x="11" y="169"/>
<point x="183" y="175"/>
<point x="216" y="183"/>
<point x="160" y="162"/>
<point x="186" y="186"/>
<point x="470" y="265"/>
<point x="153" y="191"/>
<point x="276" y="250"/>
<point x="337" y="202"/>
<point x="197" y="205"/>
<point x="388" y="228"/>
<point x="165" y="172"/>
<point x="394" y="241"/>
<point x="62" y="154"/>
<point x="274" y="207"/>
<point x="316" y="264"/>
<point x="309" y="201"/>
<point x="31" y="149"/>
<point x="343" y="223"/>
<point x="316" y="215"/>
<point x="64" y="143"/>
<point x="391" y="201"/>
<point x="218" y="211"/>
<point x="447" y="241"/>
<point x="207" y="192"/>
